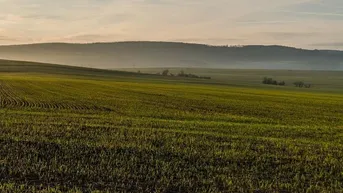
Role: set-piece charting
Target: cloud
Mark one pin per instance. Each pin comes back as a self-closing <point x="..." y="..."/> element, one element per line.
<point x="328" y="44"/>
<point x="216" y="41"/>
<point x="7" y="38"/>
<point x="42" y="16"/>
<point x="221" y="22"/>
<point x="84" y="38"/>
<point x="8" y="19"/>
<point x="328" y="15"/>
<point x="266" y="22"/>
<point x="289" y="35"/>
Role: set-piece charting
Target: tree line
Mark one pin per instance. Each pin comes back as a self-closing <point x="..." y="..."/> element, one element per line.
<point x="267" y="80"/>
<point x="299" y="84"/>
<point x="182" y="74"/>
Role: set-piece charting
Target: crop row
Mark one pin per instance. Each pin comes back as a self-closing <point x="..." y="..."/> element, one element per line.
<point x="65" y="134"/>
<point x="10" y="99"/>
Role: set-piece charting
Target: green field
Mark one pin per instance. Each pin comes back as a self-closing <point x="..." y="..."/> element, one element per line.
<point x="326" y="81"/>
<point x="82" y="130"/>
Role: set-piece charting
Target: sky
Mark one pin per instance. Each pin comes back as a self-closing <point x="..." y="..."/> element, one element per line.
<point x="299" y="23"/>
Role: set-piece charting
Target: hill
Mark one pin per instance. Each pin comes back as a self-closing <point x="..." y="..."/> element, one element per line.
<point x="167" y="54"/>
<point x="229" y="77"/>
<point x="11" y="66"/>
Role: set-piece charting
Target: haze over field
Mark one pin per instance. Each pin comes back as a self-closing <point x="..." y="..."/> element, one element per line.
<point x="167" y="55"/>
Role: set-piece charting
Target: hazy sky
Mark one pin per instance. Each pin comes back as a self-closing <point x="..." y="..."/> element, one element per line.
<point x="301" y="23"/>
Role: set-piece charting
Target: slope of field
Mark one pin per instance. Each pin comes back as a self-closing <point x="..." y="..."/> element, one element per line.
<point x="168" y="54"/>
<point x="326" y="81"/>
<point x="73" y="133"/>
<point x="44" y="68"/>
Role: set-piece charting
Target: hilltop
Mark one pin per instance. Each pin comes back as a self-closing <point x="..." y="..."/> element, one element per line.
<point x="171" y="54"/>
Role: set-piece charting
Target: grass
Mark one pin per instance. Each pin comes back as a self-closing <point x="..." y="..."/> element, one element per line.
<point x="121" y="133"/>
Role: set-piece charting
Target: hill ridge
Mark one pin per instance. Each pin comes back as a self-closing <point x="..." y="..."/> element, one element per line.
<point x="141" y="54"/>
<point x="169" y="42"/>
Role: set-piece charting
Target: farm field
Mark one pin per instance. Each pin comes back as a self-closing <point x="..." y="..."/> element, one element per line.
<point x="82" y="130"/>
<point x="326" y="81"/>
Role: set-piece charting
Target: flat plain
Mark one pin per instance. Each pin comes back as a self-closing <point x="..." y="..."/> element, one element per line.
<point x="82" y="130"/>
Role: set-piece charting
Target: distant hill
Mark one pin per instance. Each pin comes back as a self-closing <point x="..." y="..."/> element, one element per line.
<point x="9" y="66"/>
<point x="167" y="54"/>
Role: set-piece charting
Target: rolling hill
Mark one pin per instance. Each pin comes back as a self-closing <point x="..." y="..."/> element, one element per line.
<point x="228" y="77"/>
<point x="11" y="66"/>
<point x="167" y="54"/>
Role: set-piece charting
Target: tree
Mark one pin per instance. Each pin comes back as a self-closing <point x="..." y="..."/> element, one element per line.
<point x="182" y="73"/>
<point x="267" y="80"/>
<point x="299" y="84"/>
<point x="165" y="72"/>
<point x="282" y="83"/>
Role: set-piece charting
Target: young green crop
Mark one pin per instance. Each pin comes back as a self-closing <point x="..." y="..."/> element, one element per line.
<point x="70" y="133"/>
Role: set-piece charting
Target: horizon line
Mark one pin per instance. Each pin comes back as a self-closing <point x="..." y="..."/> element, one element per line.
<point x="157" y="41"/>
